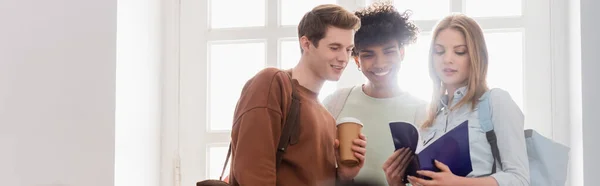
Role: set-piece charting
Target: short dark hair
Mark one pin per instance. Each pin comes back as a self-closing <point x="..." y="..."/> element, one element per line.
<point x="380" y="23"/>
<point x="315" y="22"/>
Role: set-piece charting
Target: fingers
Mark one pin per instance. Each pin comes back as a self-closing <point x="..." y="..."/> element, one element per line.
<point x="396" y="165"/>
<point x="362" y="136"/>
<point x="430" y="174"/>
<point x="393" y="167"/>
<point x="418" y="181"/>
<point x="391" y="159"/>
<point x="360" y="150"/>
<point x="359" y="146"/>
<point x="404" y="163"/>
<point x="361" y="157"/>
<point x="405" y="157"/>
<point x="336" y="143"/>
<point x="359" y="142"/>
<point x="443" y="167"/>
<point x="412" y="183"/>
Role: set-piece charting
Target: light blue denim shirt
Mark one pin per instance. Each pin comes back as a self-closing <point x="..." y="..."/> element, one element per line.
<point x="508" y="121"/>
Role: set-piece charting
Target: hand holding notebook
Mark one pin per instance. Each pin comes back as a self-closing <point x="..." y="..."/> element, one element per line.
<point x="451" y="149"/>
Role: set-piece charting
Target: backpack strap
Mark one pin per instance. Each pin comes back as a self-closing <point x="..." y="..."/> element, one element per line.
<point x="289" y="132"/>
<point x="485" y="120"/>
<point x="338" y="101"/>
<point x="226" y="161"/>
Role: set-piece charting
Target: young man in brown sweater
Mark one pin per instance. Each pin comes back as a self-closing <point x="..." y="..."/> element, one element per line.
<point x="326" y="36"/>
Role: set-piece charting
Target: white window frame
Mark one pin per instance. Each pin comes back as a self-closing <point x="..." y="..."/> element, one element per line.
<point x="184" y="130"/>
<point x="193" y="136"/>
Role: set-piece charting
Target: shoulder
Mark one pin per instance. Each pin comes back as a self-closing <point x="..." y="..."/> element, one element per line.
<point x="268" y="88"/>
<point x="501" y="101"/>
<point x="499" y="96"/>
<point x="267" y="79"/>
<point x="337" y="94"/>
<point x="269" y="75"/>
<point x="499" y="93"/>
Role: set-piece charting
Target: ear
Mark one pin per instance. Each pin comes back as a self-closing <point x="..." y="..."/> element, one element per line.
<point x="305" y="43"/>
<point x="402" y="50"/>
<point x="356" y="61"/>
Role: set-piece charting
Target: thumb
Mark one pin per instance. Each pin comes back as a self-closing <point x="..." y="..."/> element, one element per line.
<point x="336" y="143"/>
<point x="443" y="167"/>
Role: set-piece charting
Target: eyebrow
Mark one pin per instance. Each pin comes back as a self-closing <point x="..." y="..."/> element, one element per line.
<point x="340" y="45"/>
<point x="453" y="47"/>
<point x="389" y="47"/>
<point x="366" y="50"/>
<point x="335" y="44"/>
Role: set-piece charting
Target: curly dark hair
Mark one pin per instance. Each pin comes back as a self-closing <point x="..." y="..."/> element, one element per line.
<point x="380" y="23"/>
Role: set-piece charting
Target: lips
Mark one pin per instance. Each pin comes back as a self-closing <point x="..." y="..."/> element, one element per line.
<point x="449" y="70"/>
<point x="337" y="67"/>
<point x="383" y="73"/>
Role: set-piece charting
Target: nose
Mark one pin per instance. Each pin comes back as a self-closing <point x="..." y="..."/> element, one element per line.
<point x="382" y="61"/>
<point x="448" y="58"/>
<point x="344" y="56"/>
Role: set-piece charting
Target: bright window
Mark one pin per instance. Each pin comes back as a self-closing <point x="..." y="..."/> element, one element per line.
<point x="291" y="11"/>
<point x="423" y="9"/>
<point x="478" y="8"/>
<point x="228" y="74"/>
<point x="225" y="42"/>
<point x="221" y="13"/>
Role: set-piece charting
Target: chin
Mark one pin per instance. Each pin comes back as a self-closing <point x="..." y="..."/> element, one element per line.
<point x="333" y="78"/>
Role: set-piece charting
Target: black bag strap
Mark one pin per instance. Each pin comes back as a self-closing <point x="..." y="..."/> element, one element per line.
<point x="485" y="119"/>
<point x="491" y="137"/>
<point x="289" y="132"/>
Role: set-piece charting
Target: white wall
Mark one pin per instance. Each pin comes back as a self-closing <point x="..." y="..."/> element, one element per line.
<point x="138" y="113"/>
<point x="590" y="81"/>
<point x="57" y="92"/>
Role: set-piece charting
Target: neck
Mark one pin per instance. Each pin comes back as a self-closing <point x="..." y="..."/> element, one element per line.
<point x="307" y="77"/>
<point x="376" y="91"/>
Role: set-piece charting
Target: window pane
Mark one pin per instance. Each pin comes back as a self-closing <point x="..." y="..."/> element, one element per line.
<point x="215" y="160"/>
<point x="505" y="69"/>
<point x="482" y="8"/>
<point x="289" y="53"/>
<point x="414" y="72"/>
<point x="423" y="9"/>
<point x="290" y="56"/>
<point x="228" y="74"/>
<point x="293" y="10"/>
<point x="223" y="13"/>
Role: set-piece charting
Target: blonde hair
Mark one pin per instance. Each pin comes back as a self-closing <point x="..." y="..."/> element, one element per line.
<point x="478" y="60"/>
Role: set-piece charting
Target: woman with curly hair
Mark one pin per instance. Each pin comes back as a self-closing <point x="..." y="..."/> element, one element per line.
<point x="379" y="51"/>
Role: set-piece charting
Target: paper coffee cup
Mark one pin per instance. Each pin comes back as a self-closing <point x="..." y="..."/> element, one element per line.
<point x="348" y="129"/>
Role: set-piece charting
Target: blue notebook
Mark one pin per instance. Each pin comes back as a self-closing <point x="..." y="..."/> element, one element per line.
<point x="451" y="149"/>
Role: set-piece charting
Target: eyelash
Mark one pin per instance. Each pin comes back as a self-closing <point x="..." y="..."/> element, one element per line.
<point x="335" y="49"/>
<point x="457" y="53"/>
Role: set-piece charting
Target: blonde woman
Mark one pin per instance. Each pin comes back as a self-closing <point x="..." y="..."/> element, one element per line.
<point x="458" y="65"/>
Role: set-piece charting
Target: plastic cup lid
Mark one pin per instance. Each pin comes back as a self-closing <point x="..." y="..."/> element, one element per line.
<point x="349" y="120"/>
